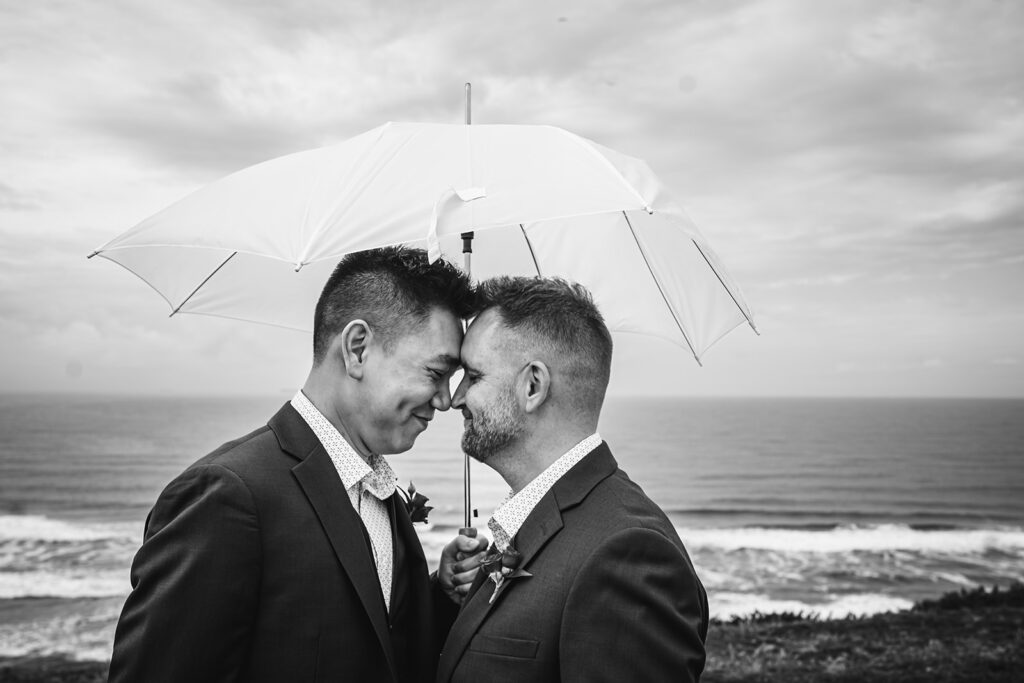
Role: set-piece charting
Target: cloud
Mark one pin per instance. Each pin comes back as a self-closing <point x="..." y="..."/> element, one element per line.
<point x="856" y="164"/>
<point x="189" y="122"/>
<point x="831" y="280"/>
<point x="13" y="200"/>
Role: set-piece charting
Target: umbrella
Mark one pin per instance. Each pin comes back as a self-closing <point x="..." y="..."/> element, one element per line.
<point x="259" y="244"/>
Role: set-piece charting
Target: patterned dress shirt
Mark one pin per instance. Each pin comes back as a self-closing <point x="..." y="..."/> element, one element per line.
<point x="367" y="485"/>
<point x="513" y="511"/>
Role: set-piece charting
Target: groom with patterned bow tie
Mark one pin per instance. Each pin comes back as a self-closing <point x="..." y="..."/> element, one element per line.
<point x="588" y="580"/>
<point x="288" y="554"/>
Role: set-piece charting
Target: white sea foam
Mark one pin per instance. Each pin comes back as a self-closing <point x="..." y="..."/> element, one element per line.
<point x="82" y="636"/>
<point x="85" y="583"/>
<point x="39" y="528"/>
<point x="43" y="557"/>
<point x="880" y="538"/>
<point x="728" y="605"/>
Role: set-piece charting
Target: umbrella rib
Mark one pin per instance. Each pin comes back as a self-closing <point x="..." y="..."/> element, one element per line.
<point x="661" y="291"/>
<point x="205" y="280"/>
<point x="530" y="247"/>
<point x="726" y="287"/>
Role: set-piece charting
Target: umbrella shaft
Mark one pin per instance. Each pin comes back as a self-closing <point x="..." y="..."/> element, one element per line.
<point x="466" y="501"/>
<point x="467" y="255"/>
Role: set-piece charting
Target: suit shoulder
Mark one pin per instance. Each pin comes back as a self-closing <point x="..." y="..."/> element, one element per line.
<point x="236" y="453"/>
<point x="623" y="498"/>
<point x="619" y="514"/>
<point x="253" y="461"/>
<point x="618" y="504"/>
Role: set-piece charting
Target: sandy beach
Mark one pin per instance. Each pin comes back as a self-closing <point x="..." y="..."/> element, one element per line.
<point x="975" y="637"/>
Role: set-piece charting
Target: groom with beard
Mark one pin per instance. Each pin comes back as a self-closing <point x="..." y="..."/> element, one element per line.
<point x="592" y="583"/>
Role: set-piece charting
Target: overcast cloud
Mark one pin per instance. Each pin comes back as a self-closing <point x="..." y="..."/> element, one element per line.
<point x="859" y="166"/>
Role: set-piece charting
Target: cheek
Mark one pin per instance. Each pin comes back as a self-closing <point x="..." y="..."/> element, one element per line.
<point x="413" y="394"/>
<point x="477" y="399"/>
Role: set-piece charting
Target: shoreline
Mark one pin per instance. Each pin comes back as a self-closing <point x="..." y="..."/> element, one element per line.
<point x="975" y="636"/>
<point x="962" y="637"/>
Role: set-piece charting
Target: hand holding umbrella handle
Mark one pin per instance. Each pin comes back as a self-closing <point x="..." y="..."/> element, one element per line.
<point x="468" y="532"/>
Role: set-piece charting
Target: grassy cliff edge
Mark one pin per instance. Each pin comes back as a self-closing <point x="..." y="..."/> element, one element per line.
<point x="975" y="636"/>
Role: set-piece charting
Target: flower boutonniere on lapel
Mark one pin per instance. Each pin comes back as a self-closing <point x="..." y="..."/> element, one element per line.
<point x="416" y="504"/>
<point x="501" y="567"/>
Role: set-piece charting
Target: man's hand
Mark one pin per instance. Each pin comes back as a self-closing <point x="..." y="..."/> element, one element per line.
<point x="460" y="561"/>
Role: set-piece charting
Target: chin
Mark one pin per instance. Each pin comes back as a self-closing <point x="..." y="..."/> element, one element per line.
<point x="473" y="452"/>
<point x="405" y="444"/>
<point x="397" y="449"/>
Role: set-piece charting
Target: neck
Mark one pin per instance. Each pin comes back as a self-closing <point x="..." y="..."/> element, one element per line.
<point x="528" y="458"/>
<point x="333" y="406"/>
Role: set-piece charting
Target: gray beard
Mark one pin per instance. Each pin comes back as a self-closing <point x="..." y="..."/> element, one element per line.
<point x="482" y="444"/>
<point x="494" y="431"/>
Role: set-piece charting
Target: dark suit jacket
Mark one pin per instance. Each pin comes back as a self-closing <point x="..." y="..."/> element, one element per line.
<point x="612" y="597"/>
<point x="255" y="567"/>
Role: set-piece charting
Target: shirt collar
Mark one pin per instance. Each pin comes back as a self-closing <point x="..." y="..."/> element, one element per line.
<point x="514" y="510"/>
<point x="377" y="477"/>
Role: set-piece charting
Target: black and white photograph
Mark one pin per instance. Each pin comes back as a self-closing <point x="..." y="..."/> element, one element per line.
<point x="541" y="342"/>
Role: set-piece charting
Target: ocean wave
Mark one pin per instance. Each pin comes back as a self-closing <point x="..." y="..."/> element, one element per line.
<point x="871" y="538"/>
<point x="725" y="605"/>
<point x="41" y="557"/>
<point x="85" y="583"/>
<point x="39" y="528"/>
<point x="780" y="510"/>
<point x="84" y="632"/>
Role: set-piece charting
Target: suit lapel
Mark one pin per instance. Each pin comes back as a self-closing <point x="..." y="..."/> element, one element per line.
<point x="543" y="523"/>
<point x="474" y="610"/>
<point x="319" y="480"/>
<point x="408" y="551"/>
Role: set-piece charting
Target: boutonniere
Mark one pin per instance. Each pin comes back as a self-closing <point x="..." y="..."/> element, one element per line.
<point x="502" y="567"/>
<point x="416" y="504"/>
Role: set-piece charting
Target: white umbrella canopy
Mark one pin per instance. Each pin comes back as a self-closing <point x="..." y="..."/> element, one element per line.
<point x="259" y="244"/>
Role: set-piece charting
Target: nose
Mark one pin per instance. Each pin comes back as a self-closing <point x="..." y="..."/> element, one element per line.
<point x="459" y="399"/>
<point x="442" y="399"/>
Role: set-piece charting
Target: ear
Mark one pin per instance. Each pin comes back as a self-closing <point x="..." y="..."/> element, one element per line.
<point x="535" y="378"/>
<point x="351" y="347"/>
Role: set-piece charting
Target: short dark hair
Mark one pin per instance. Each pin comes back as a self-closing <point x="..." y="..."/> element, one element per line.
<point x="393" y="289"/>
<point x="562" y="315"/>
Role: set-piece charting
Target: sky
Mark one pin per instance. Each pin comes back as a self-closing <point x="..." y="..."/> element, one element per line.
<point x="858" y="167"/>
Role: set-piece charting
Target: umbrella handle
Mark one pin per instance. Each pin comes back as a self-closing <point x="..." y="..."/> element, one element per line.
<point x="468" y="532"/>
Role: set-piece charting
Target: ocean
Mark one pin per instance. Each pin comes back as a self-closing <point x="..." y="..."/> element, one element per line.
<point x="825" y="506"/>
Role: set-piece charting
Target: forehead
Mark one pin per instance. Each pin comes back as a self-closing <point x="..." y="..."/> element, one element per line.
<point x="440" y="335"/>
<point x="485" y="339"/>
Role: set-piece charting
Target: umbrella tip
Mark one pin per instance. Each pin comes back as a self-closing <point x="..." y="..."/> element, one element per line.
<point x="93" y="254"/>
